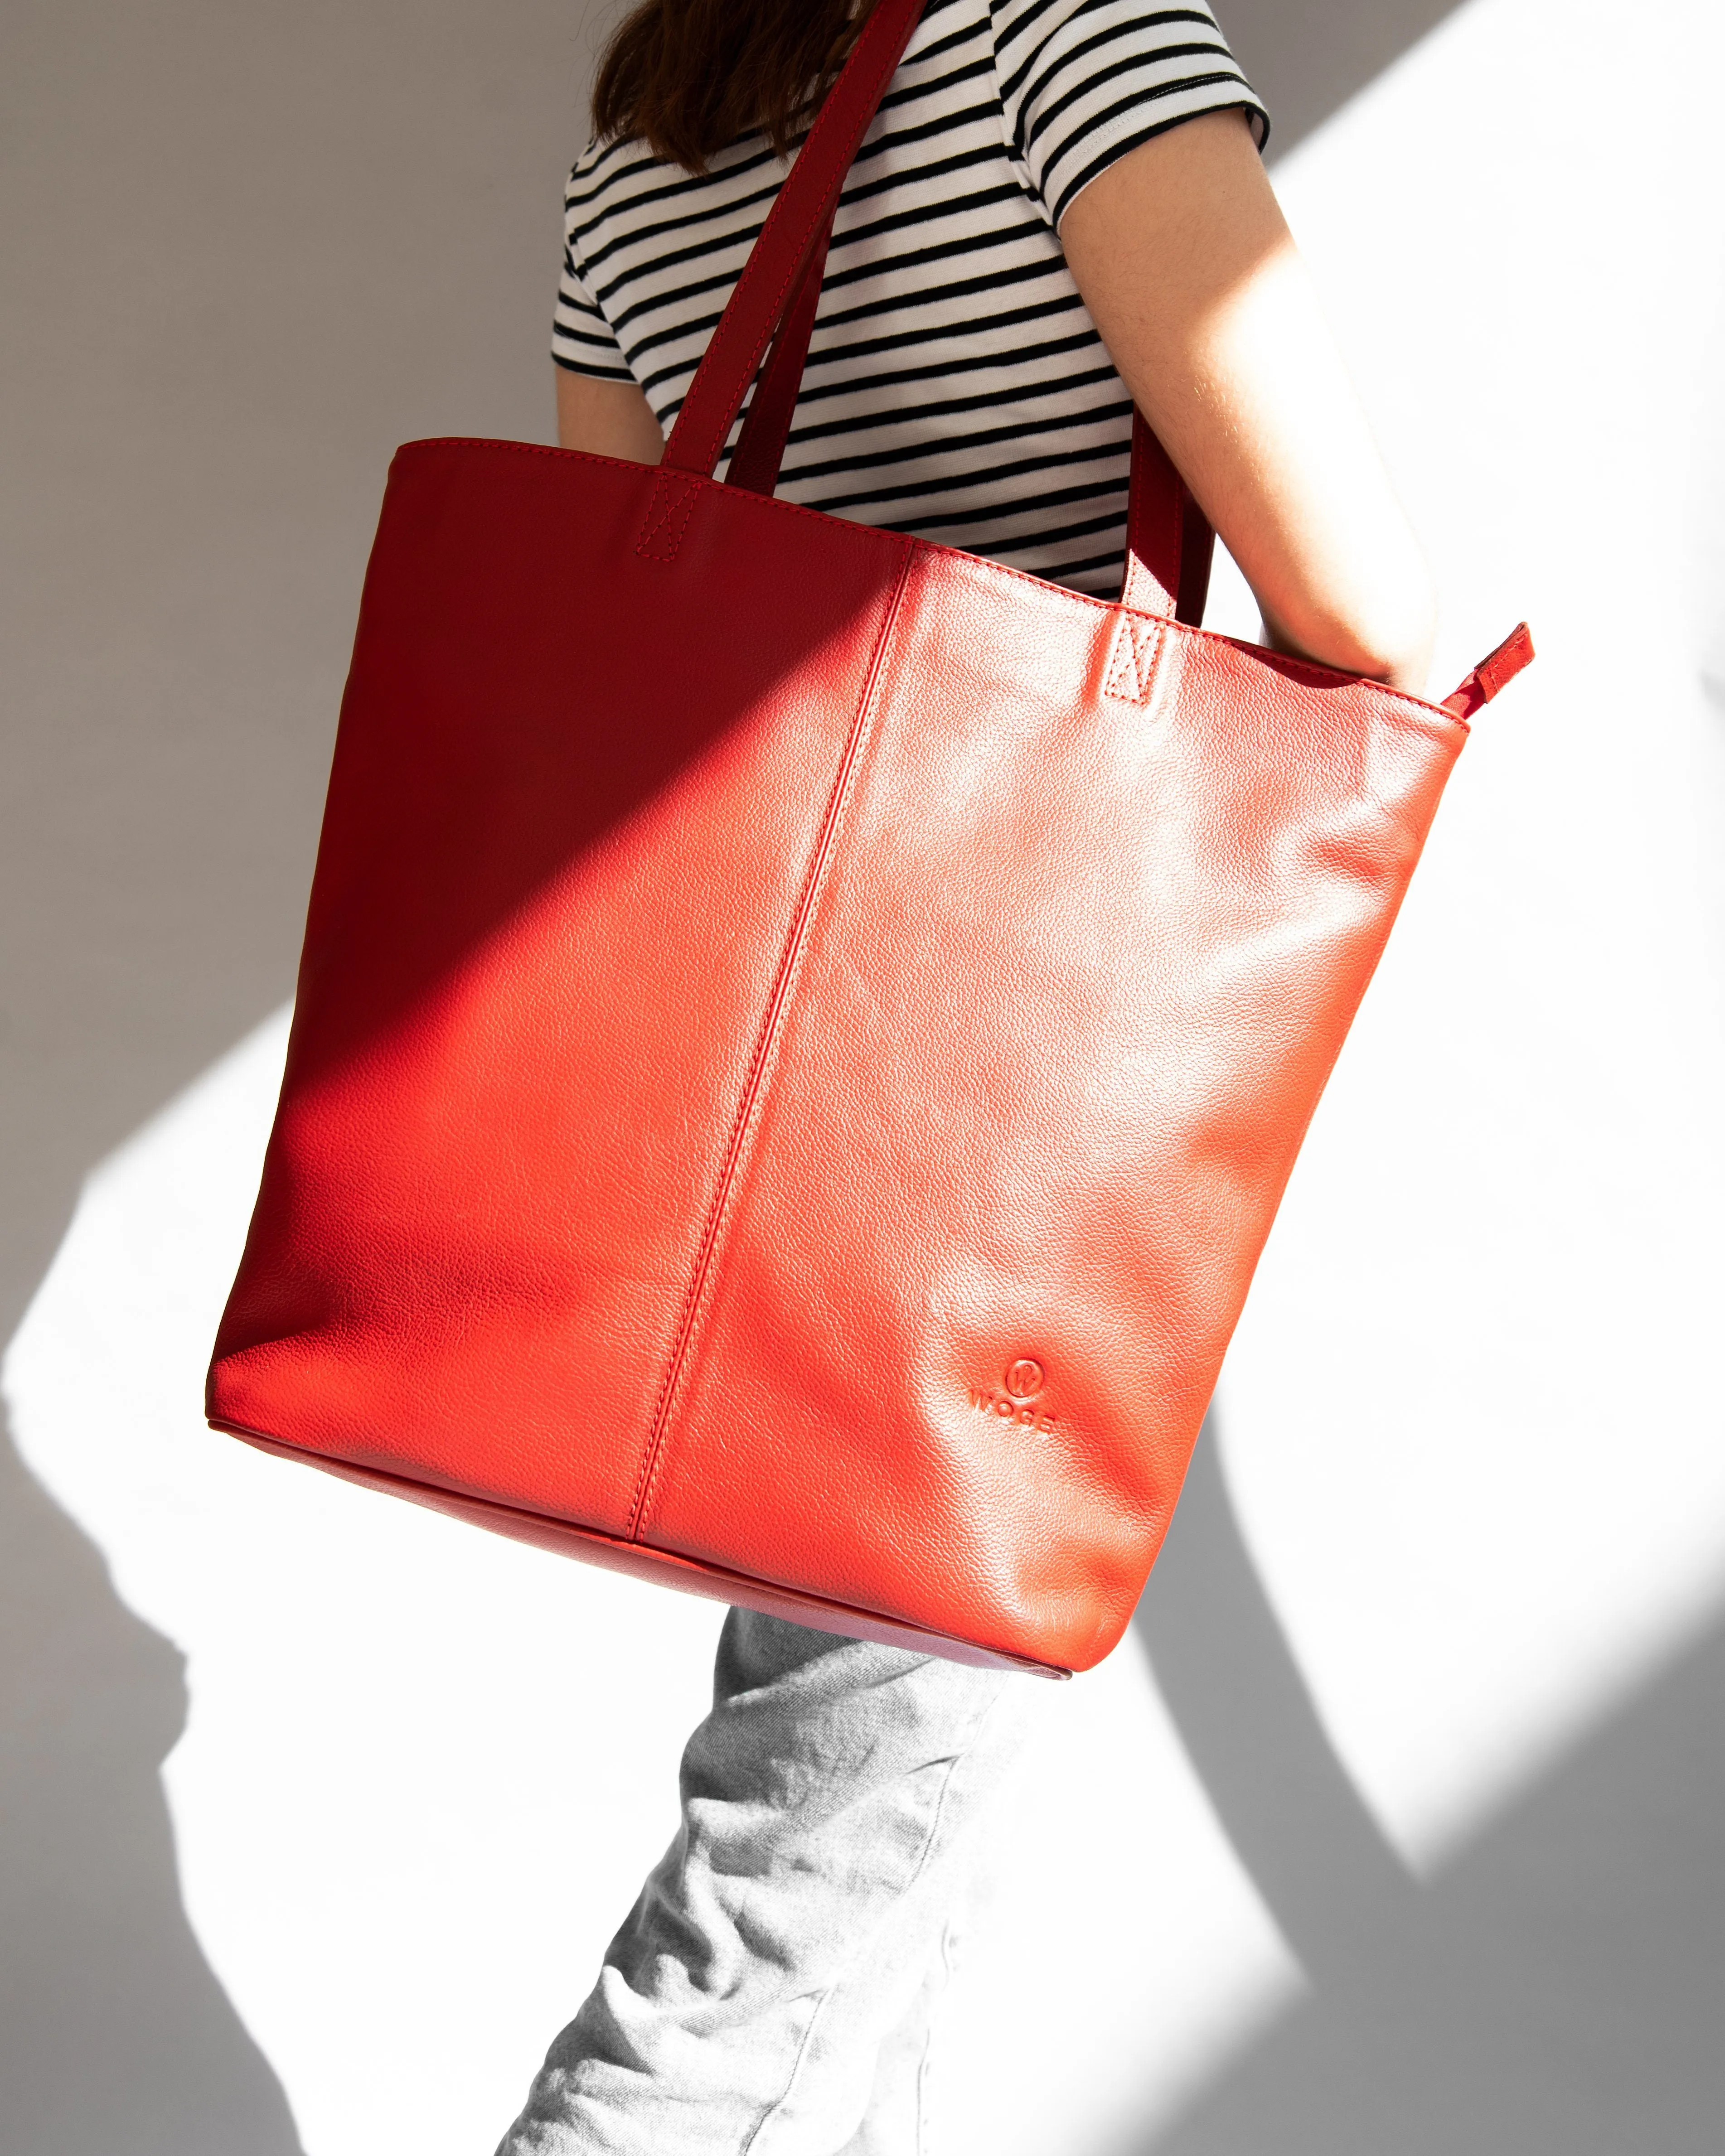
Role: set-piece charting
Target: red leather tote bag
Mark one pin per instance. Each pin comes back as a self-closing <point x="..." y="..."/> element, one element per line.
<point x="802" y="1033"/>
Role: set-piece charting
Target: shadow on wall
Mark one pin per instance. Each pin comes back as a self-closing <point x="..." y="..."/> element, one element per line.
<point x="339" y="231"/>
<point x="258" y="248"/>
<point x="1558" y="1989"/>
<point x="114" y="2036"/>
<point x="1306" y="58"/>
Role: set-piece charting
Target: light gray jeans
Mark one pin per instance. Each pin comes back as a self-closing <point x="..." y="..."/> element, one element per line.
<point x="773" y="1989"/>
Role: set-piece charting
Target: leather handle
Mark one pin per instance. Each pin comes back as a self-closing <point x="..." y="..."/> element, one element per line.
<point x="802" y="211"/>
<point x="767" y="424"/>
<point x="1169" y="543"/>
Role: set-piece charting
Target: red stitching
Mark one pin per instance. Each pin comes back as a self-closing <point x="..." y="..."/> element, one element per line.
<point x="661" y="508"/>
<point x="698" y="1294"/>
<point x="848" y="525"/>
<point x="658" y="508"/>
<point x="778" y="505"/>
<point x="418" y="1490"/>
<point x="1135" y="646"/>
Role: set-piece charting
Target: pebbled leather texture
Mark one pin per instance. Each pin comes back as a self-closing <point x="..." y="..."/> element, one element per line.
<point x="800" y="1038"/>
<point x="1495" y="671"/>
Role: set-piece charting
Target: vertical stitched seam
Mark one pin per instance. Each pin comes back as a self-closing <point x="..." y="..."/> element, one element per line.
<point x="1125" y="657"/>
<point x="772" y="1024"/>
<point x="1111" y="681"/>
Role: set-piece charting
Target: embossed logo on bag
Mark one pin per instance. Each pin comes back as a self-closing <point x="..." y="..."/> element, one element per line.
<point x="1024" y="1380"/>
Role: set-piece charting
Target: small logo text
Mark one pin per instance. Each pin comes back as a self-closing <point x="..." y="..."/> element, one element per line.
<point x="1024" y="1381"/>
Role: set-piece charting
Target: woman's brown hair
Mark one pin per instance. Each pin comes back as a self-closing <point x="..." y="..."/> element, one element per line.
<point x="689" y="76"/>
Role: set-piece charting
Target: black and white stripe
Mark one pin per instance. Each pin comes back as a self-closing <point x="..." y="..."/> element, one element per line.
<point x="955" y="387"/>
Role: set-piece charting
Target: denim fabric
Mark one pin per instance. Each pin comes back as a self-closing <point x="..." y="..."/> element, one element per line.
<point x="773" y="1989"/>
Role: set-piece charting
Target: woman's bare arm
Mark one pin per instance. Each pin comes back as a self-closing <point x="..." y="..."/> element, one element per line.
<point x="607" y="418"/>
<point x="1183" y="256"/>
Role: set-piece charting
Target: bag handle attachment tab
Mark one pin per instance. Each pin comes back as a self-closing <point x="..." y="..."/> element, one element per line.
<point x="1494" y="672"/>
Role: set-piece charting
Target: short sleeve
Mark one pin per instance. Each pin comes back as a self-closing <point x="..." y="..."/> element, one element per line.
<point x="581" y="339"/>
<point x="1083" y="81"/>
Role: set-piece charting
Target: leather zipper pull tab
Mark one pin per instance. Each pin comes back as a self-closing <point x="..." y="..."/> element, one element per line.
<point x="1493" y="673"/>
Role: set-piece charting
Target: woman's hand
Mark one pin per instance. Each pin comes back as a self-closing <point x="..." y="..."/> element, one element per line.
<point x="1183" y="258"/>
<point x="606" y="418"/>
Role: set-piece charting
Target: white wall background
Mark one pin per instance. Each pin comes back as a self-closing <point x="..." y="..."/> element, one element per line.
<point x="1393" y="1826"/>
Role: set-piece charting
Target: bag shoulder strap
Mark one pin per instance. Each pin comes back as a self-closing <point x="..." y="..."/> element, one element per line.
<point x="1169" y="543"/>
<point x="802" y="212"/>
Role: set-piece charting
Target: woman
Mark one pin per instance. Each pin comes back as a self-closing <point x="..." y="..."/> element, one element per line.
<point x="1059" y="210"/>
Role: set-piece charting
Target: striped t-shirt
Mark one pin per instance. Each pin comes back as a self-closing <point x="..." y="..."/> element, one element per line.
<point x="956" y="386"/>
